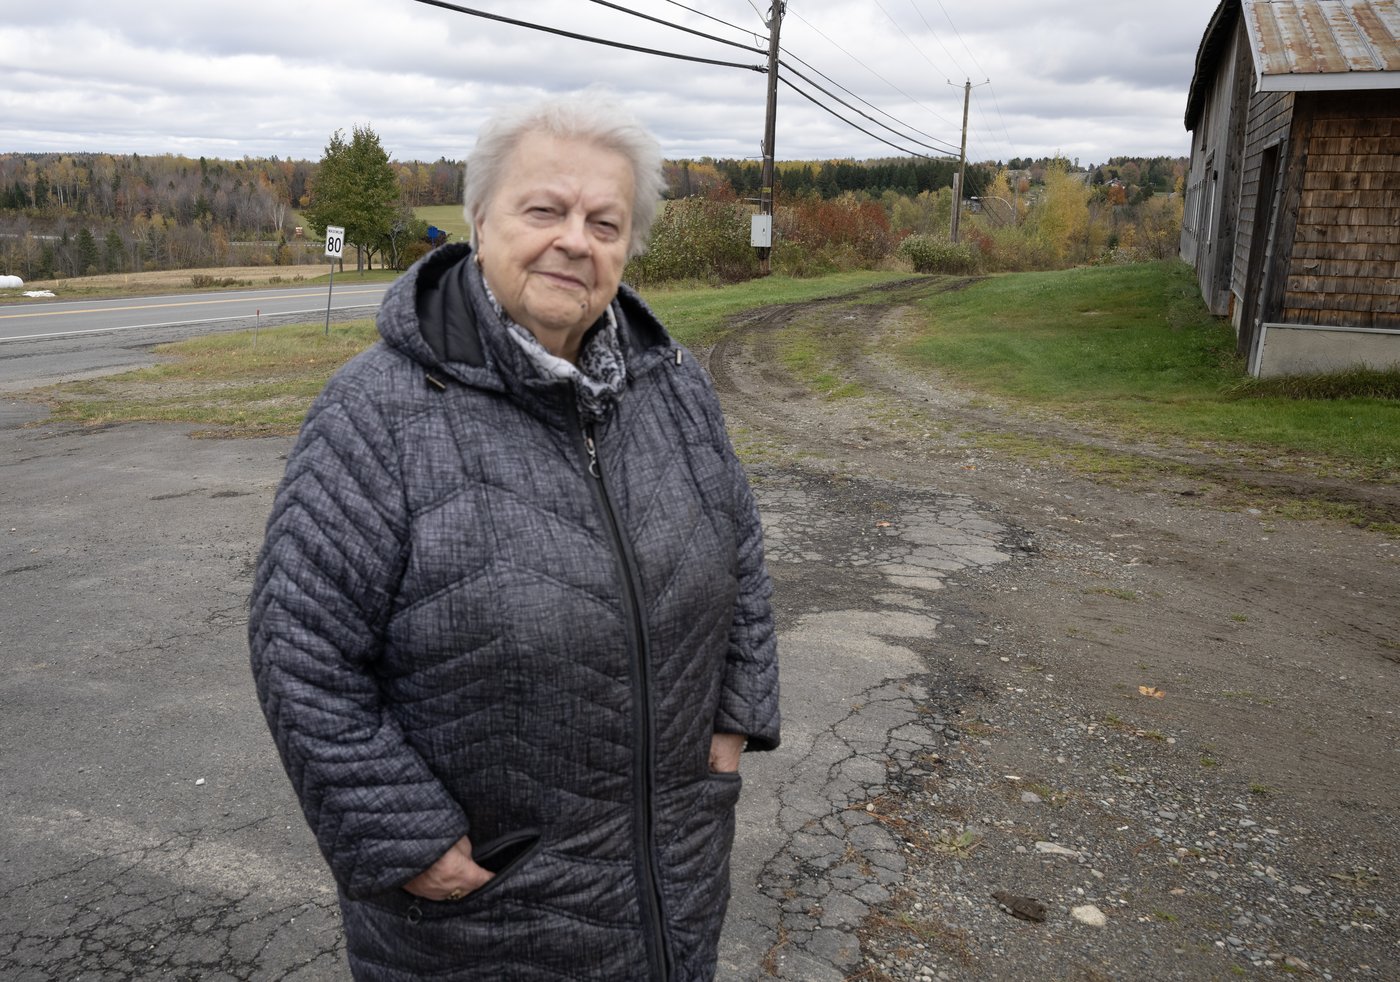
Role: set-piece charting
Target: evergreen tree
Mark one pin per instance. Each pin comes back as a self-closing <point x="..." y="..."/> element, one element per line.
<point x="115" y="252"/>
<point x="357" y="189"/>
<point x="87" y="252"/>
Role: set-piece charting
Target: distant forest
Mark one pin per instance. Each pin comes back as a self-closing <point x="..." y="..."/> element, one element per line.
<point x="67" y="215"/>
<point x="78" y="214"/>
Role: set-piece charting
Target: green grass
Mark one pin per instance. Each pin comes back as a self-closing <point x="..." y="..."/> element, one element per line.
<point x="816" y="352"/>
<point x="237" y="384"/>
<point x="449" y="218"/>
<point x="1133" y="348"/>
<point x="1355" y="383"/>
<point x="695" y="315"/>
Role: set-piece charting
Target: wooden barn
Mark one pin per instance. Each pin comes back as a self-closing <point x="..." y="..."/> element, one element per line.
<point x="1293" y="198"/>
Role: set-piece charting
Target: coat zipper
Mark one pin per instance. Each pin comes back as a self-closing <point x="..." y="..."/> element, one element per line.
<point x="657" y="949"/>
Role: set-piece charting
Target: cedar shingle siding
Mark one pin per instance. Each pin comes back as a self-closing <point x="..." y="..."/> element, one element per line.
<point x="1345" y="262"/>
<point x="1293" y="197"/>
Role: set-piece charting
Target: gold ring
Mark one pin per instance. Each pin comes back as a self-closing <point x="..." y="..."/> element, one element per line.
<point x="456" y="895"/>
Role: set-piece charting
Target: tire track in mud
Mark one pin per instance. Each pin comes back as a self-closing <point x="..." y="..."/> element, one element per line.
<point x="1210" y="585"/>
<point x="748" y="372"/>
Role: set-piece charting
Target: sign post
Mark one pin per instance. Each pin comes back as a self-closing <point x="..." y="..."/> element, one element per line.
<point x="335" y="248"/>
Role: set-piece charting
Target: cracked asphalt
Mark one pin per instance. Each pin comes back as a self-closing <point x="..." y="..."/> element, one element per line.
<point x="150" y="831"/>
<point x="813" y="858"/>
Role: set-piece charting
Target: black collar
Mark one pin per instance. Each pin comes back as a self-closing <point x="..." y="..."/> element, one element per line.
<point x="447" y="319"/>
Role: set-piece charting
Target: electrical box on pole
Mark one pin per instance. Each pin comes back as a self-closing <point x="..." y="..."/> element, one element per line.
<point x="770" y="126"/>
<point x="761" y="232"/>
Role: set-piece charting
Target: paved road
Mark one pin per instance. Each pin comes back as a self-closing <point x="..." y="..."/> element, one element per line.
<point x="36" y="321"/>
<point x="51" y="342"/>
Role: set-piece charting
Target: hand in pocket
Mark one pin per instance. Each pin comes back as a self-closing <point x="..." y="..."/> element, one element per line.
<point x="452" y="877"/>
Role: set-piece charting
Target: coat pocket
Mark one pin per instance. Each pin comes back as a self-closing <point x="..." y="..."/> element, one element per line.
<point x="504" y="856"/>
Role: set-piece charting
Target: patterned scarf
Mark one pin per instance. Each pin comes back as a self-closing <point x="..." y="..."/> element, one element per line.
<point x="600" y="375"/>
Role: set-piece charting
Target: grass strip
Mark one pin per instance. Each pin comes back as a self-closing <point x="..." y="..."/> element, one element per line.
<point x="1132" y="350"/>
<point x="260" y="383"/>
<point x="696" y="315"/>
<point x="245" y="383"/>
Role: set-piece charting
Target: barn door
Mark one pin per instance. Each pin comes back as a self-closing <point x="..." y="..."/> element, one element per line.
<point x="1265" y="214"/>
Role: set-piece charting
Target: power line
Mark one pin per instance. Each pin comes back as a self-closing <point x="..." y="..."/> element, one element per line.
<point x="961" y="40"/>
<point x="458" y="8"/>
<point x="935" y="34"/>
<point x="958" y="34"/>
<point x="584" y="37"/>
<point x="843" y="119"/>
<point x="1003" y="125"/>
<point x="829" y="94"/>
<point x="997" y="103"/>
<point x="701" y="13"/>
<point x="860" y="98"/>
<point x="920" y="50"/>
<point x="932" y="112"/>
<point x="678" y="27"/>
<point x="971" y="54"/>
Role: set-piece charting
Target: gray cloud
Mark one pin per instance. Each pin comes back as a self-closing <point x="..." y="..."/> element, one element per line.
<point x="260" y="77"/>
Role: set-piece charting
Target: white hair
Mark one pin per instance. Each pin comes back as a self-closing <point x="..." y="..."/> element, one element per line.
<point x="583" y="116"/>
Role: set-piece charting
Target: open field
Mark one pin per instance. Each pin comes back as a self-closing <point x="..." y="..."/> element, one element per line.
<point x="449" y="218"/>
<point x="446" y="217"/>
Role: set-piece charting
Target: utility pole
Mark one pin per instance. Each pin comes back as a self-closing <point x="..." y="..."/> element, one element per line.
<point x="770" y="126"/>
<point x="962" y="168"/>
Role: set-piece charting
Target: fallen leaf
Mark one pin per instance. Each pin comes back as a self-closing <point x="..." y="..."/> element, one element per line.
<point x="1152" y="691"/>
<point x="883" y="525"/>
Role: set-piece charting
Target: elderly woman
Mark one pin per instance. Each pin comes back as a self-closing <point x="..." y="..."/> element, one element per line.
<point x="510" y="626"/>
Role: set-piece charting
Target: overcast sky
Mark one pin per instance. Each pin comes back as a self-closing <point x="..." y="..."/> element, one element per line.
<point x="221" y="78"/>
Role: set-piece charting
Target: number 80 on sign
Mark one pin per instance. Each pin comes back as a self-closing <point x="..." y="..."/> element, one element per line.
<point x="335" y="241"/>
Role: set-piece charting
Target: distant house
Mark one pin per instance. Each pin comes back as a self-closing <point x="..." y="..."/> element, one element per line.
<point x="1293" y="198"/>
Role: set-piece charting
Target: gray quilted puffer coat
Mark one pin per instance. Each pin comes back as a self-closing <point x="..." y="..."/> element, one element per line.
<point x="475" y="614"/>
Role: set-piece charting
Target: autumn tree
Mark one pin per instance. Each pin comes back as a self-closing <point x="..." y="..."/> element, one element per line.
<point x="1063" y="221"/>
<point x="1000" y="203"/>
<point x="356" y="188"/>
<point x="927" y="213"/>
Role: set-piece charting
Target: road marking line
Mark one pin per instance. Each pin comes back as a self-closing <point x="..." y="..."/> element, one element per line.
<point x="143" y="327"/>
<point x="157" y="306"/>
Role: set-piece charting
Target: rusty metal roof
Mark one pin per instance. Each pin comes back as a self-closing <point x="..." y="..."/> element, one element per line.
<point x="1310" y="45"/>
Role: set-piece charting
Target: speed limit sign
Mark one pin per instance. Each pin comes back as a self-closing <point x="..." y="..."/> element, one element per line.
<point x="335" y="241"/>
